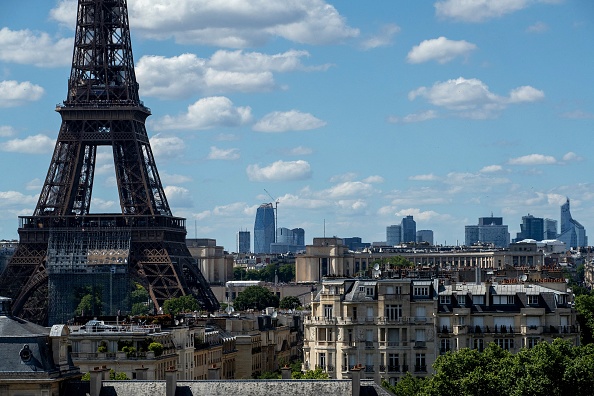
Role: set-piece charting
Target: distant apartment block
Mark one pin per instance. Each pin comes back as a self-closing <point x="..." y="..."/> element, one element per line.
<point x="409" y="229"/>
<point x="393" y="235"/>
<point x="531" y="228"/>
<point x="550" y="229"/>
<point x="288" y="241"/>
<point x="264" y="226"/>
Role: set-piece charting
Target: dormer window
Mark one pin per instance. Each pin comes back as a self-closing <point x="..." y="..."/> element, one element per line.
<point x="503" y="300"/>
<point x="532" y="299"/>
<point x="461" y="299"/>
<point x="369" y="291"/>
<point x="445" y="299"/>
<point x="421" y="291"/>
<point x="478" y="300"/>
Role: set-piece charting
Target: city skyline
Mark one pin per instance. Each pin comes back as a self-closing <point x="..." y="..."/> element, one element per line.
<point x="352" y="117"/>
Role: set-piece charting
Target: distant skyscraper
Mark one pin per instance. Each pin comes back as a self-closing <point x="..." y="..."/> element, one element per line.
<point x="531" y="228"/>
<point x="550" y="229"/>
<point x="393" y="235"/>
<point x="425" y="236"/>
<point x="264" y="228"/>
<point x="489" y="230"/>
<point x="243" y="242"/>
<point x="572" y="232"/>
<point x="288" y="240"/>
<point x="409" y="229"/>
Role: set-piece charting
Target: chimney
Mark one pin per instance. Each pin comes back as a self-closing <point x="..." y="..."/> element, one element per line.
<point x="286" y="373"/>
<point x="105" y="373"/>
<point x="170" y="381"/>
<point x="356" y="380"/>
<point x="141" y="373"/>
<point x="96" y="381"/>
<point x="214" y="373"/>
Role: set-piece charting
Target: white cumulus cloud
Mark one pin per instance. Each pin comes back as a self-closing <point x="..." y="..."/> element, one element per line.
<point x="234" y="24"/>
<point x="178" y="196"/>
<point x="383" y="38"/>
<point x="223" y="154"/>
<point x="491" y="169"/>
<point x="225" y="71"/>
<point x="6" y="131"/>
<point x="533" y="159"/>
<point x="347" y="189"/>
<point x="39" y="49"/>
<point x="14" y="93"/>
<point x="300" y="150"/>
<point x="440" y="49"/>
<point x="38" y="144"/>
<point x="283" y="121"/>
<point x="471" y="98"/>
<point x="167" y="146"/>
<point x="426" y="177"/>
<point x="207" y="113"/>
<point x="480" y="10"/>
<point x="15" y="198"/>
<point x="280" y="171"/>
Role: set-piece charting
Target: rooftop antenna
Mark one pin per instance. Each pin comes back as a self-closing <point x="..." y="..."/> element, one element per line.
<point x="275" y="213"/>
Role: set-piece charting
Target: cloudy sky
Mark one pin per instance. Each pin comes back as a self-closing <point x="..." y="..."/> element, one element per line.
<point x="351" y="114"/>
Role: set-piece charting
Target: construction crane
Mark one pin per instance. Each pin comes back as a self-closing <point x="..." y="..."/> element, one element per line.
<point x="275" y="212"/>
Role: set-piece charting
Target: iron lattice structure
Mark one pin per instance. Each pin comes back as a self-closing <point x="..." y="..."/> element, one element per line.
<point x="103" y="108"/>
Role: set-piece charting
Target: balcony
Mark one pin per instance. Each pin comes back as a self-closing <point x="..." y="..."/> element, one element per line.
<point x="368" y="344"/>
<point x="420" y="344"/>
<point x="369" y="368"/>
<point x="491" y="330"/>
<point x="420" y="368"/>
<point x="393" y="369"/>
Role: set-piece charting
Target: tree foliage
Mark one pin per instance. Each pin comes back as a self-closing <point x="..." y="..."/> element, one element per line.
<point x="176" y="305"/>
<point x="318" y="373"/>
<point x="256" y="297"/>
<point x="284" y="272"/>
<point x="289" y="302"/>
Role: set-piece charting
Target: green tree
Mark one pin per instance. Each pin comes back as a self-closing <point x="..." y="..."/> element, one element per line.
<point x="407" y="386"/>
<point x="185" y="303"/>
<point x="286" y="273"/>
<point x="584" y="304"/>
<point x="289" y="302"/>
<point x="156" y="347"/>
<point x="256" y="297"/>
<point x="318" y="373"/>
<point x="239" y="273"/>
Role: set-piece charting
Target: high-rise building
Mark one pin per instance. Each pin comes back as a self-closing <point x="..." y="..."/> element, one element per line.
<point x="393" y="235"/>
<point x="531" y="228"/>
<point x="288" y="240"/>
<point x="243" y="242"/>
<point x="409" y="229"/>
<point x="489" y="230"/>
<point x="425" y="236"/>
<point x="572" y="232"/>
<point x="264" y="228"/>
<point x="550" y="229"/>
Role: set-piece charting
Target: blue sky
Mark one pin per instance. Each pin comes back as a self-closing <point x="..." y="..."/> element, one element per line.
<point x="351" y="114"/>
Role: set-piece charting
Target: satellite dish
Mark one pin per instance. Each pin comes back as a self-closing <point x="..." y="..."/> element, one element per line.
<point x="524" y="277"/>
<point x="176" y="322"/>
<point x="376" y="267"/>
<point x="229" y="309"/>
<point x="274" y="314"/>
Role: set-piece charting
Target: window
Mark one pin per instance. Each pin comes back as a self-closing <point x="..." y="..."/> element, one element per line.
<point x="421" y="291"/>
<point x="445" y="299"/>
<point x="532" y="299"/>
<point x="505" y="343"/>
<point x="393" y="289"/>
<point x="478" y="300"/>
<point x="393" y="312"/>
<point x="393" y="337"/>
<point x="328" y="311"/>
<point x="393" y="362"/>
<point x="420" y="313"/>
<point x="444" y="345"/>
<point x="531" y="342"/>
<point x="420" y="362"/>
<point x="354" y="313"/>
<point x="461" y="299"/>
<point x="369" y="312"/>
<point x="322" y="360"/>
<point x="361" y="288"/>
<point x="479" y="344"/>
<point x="503" y="300"/>
<point x="369" y="291"/>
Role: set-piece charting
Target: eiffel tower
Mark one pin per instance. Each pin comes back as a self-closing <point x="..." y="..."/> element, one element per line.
<point x="63" y="245"/>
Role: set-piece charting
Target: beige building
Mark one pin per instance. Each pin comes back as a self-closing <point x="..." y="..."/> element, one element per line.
<point x="330" y="257"/>
<point x="215" y="264"/>
<point x="394" y="326"/>
<point x="87" y="354"/>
